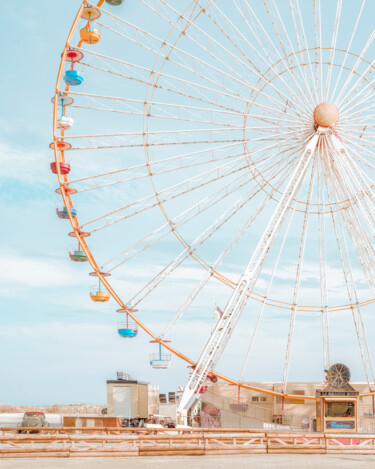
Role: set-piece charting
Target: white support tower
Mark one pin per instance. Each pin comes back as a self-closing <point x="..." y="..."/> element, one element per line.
<point x="237" y="302"/>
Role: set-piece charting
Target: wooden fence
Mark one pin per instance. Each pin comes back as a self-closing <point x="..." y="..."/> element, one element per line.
<point x="115" y="442"/>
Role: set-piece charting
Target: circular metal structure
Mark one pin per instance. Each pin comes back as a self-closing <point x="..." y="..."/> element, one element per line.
<point x="338" y="375"/>
<point x="230" y="144"/>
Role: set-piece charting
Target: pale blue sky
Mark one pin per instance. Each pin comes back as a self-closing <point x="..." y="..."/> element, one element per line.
<point x="58" y="346"/>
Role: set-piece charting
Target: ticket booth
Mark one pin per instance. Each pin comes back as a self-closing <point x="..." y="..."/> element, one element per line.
<point x="337" y="403"/>
<point x="336" y="411"/>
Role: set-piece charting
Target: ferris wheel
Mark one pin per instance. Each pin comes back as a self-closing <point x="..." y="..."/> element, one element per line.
<point x="218" y="174"/>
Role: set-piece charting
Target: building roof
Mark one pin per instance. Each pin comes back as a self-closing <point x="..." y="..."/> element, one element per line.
<point x="125" y="381"/>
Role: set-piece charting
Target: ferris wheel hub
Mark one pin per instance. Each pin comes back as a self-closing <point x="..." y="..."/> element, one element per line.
<point x="326" y="115"/>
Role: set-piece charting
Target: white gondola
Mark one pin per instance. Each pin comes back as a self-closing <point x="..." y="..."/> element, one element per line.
<point x="65" y="122"/>
<point x="160" y="361"/>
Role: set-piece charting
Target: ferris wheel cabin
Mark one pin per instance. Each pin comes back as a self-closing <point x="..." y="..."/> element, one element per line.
<point x="77" y="255"/>
<point x="160" y="361"/>
<point x="64" y="167"/>
<point x="97" y="293"/>
<point x="114" y="2"/>
<point x="65" y="122"/>
<point x="88" y="34"/>
<point x="63" y="213"/>
<point x="127" y="330"/>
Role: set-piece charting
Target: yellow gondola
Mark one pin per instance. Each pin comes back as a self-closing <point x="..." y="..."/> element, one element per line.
<point x="97" y="293"/>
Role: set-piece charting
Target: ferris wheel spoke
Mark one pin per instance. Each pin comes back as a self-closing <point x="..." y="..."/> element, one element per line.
<point x="352" y="295"/>
<point x="357" y="139"/>
<point x="364" y="162"/>
<point x="144" y="175"/>
<point x="356" y="99"/>
<point x="359" y="126"/>
<point x="323" y="265"/>
<point x="274" y="16"/>
<point x="299" y="99"/>
<point x="171" y="110"/>
<point x="221" y="84"/>
<point x="141" y="206"/>
<point x="199" y="241"/>
<point x="284" y="60"/>
<point x="347" y="50"/>
<point x="101" y="146"/>
<point x="298" y="277"/>
<point x="364" y="178"/>
<point x="169" y="78"/>
<point x="318" y="48"/>
<point x="174" y="111"/>
<point x="174" y="162"/>
<point x="219" y="260"/>
<point x="356" y="109"/>
<point x="358" y="142"/>
<point x="231" y="75"/>
<point x="171" y="193"/>
<point x="149" y="203"/>
<point x="332" y="52"/>
<point x="279" y="27"/>
<point x="184" y="131"/>
<point x="343" y="91"/>
<point x="243" y="38"/>
<point x="162" y="87"/>
<point x="363" y="84"/>
<point x="221" y="47"/>
<point x="160" y="144"/>
<point x="357" y="187"/>
<point x="266" y="295"/>
<point x="196" y="210"/>
<point x="362" y="149"/>
<point x="195" y="110"/>
<point x="188" y="252"/>
<point x="167" y="138"/>
<point x="159" y="167"/>
<point x="267" y="119"/>
<point x="179" y="220"/>
<point x="301" y="38"/>
<point x="359" y="237"/>
<point x="274" y="111"/>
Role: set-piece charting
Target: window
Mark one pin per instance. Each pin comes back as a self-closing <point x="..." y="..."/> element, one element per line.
<point x="263" y="398"/>
<point x="339" y="409"/>
<point x="255" y="398"/>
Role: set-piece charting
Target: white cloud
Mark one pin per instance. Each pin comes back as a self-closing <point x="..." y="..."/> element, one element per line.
<point x="27" y="167"/>
<point x="19" y="271"/>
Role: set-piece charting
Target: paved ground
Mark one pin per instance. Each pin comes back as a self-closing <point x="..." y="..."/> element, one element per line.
<point x="274" y="461"/>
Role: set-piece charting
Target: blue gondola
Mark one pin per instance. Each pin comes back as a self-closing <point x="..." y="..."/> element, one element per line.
<point x="73" y="77"/>
<point x="63" y="213"/>
<point x="127" y="330"/>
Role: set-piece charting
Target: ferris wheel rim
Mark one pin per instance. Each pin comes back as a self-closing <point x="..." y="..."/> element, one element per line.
<point x="76" y="227"/>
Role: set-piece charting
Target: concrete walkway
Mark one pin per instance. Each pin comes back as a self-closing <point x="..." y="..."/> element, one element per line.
<point x="254" y="461"/>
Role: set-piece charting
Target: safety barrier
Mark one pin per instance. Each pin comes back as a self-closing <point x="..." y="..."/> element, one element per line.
<point x="123" y="442"/>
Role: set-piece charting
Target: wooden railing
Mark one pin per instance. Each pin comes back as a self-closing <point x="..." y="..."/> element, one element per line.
<point x="118" y="442"/>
